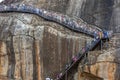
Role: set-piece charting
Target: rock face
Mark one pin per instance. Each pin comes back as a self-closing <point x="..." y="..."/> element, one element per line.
<point x="102" y="65"/>
<point x="97" y="12"/>
<point x="34" y="49"/>
<point x="115" y="17"/>
<point x="103" y="13"/>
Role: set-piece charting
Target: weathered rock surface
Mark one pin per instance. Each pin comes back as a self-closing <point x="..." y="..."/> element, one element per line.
<point x="31" y="48"/>
<point x="103" y="64"/>
<point x="34" y="49"/>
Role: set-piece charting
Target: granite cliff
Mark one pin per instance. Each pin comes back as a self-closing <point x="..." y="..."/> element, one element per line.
<point x="32" y="48"/>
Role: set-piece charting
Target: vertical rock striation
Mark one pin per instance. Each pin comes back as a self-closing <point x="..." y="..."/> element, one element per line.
<point x="115" y="17"/>
<point x="34" y="49"/>
<point x="96" y="12"/>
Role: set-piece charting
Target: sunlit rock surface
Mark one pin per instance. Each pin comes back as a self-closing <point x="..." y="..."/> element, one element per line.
<point x="32" y="48"/>
<point x="103" y="64"/>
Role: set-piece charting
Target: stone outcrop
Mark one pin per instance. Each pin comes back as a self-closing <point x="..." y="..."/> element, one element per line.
<point x="103" y="64"/>
<point x="34" y="49"/>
